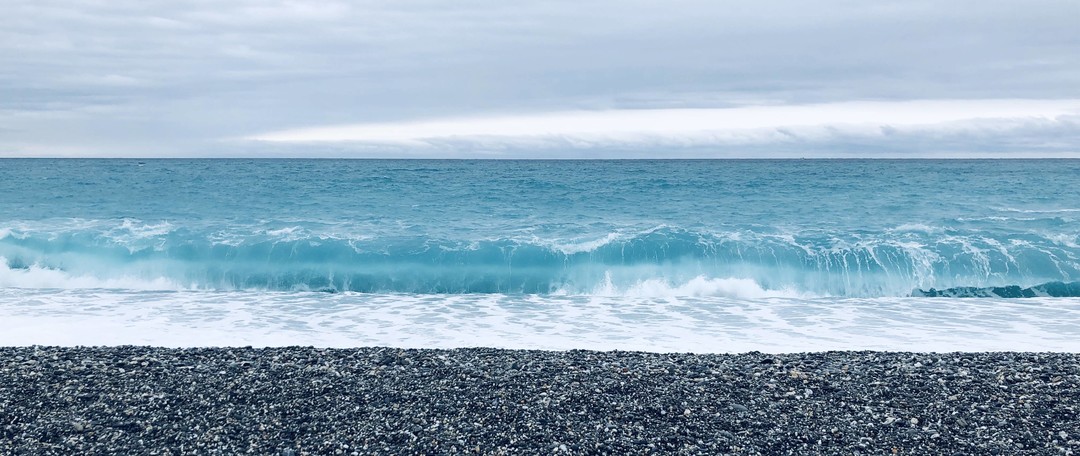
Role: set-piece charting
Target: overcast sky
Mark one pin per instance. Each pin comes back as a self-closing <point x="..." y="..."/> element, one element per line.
<point x="673" y="78"/>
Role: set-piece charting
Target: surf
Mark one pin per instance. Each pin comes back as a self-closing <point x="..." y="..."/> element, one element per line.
<point x="662" y="260"/>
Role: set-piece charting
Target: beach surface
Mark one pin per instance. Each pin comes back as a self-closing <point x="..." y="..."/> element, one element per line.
<point x="299" y="400"/>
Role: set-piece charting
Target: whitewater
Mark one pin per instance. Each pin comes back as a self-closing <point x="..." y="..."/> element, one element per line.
<point x="680" y="255"/>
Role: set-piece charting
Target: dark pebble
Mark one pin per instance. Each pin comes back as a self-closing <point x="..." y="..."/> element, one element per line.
<point x="308" y="401"/>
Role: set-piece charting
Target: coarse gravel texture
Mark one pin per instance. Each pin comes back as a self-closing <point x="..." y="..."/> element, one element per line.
<point x="297" y="401"/>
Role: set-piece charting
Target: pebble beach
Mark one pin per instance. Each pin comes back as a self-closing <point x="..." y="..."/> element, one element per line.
<point x="299" y="401"/>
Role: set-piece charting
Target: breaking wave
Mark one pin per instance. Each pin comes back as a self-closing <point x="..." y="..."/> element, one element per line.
<point x="664" y="261"/>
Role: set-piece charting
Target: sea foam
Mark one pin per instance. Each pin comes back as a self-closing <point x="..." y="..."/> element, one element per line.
<point x="666" y="255"/>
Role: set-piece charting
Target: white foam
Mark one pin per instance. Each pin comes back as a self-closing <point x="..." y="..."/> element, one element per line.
<point x="699" y="286"/>
<point x="136" y="235"/>
<point x="1036" y="211"/>
<point x="15" y="230"/>
<point x="1064" y="239"/>
<point x="917" y="227"/>
<point x="288" y="234"/>
<point x="574" y="247"/>
<point x="702" y="325"/>
<point x="36" y="276"/>
<point x="143" y="230"/>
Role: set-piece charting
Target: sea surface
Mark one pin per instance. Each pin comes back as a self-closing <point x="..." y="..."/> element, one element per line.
<point x="670" y="255"/>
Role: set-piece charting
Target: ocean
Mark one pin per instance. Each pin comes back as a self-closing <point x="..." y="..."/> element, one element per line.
<point x="654" y="255"/>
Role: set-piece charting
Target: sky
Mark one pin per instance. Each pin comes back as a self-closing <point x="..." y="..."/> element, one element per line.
<point x="552" y="79"/>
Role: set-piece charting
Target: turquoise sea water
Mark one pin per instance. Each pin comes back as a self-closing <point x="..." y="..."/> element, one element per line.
<point x="517" y="231"/>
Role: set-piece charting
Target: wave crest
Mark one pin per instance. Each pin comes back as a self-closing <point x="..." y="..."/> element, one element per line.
<point x="662" y="261"/>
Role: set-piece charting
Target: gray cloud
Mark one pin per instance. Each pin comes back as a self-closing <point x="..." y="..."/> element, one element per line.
<point x="176" y="78"/>
<point x="998" y="138"/>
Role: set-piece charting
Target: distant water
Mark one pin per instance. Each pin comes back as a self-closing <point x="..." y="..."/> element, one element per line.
<point x="666" y="255"/>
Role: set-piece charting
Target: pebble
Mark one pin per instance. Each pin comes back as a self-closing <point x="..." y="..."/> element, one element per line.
<point x="295" y="401"/>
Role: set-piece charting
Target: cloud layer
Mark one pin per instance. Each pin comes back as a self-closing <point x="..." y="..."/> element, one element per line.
<point x="109" y="78"/>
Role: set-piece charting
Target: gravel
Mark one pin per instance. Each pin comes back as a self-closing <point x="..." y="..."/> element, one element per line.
<point x="297" y="401"/>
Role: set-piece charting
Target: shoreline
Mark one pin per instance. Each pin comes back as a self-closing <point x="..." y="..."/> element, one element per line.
<point x="302" y="400"/>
